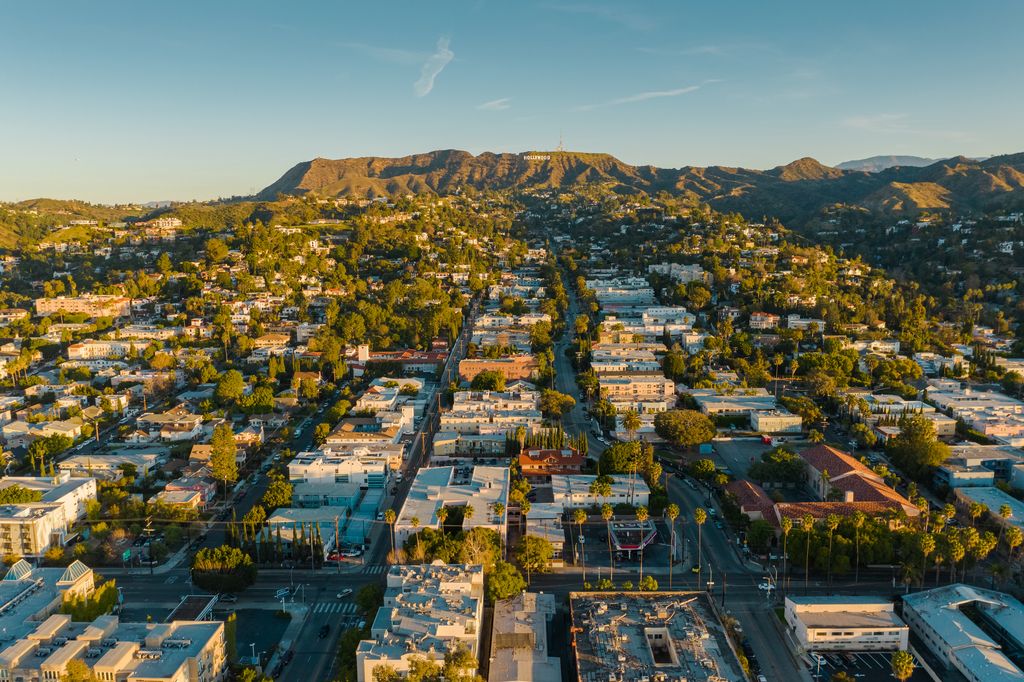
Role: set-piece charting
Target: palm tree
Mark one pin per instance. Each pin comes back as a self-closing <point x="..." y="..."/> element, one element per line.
<point x="976" y="509"/>
<point x="499" y="512"/>
<point x="415" y="522"/>
<point x="608" y="513"/>
<point x="831" y="523"/>
<point x="1005" y="513"/>
<point x="700" y="516"/>
<point x="927" y="547"/>
<point x="787" y="525"/>
<point x="1014" y="538"/>
<point x="955" y="553"/>
<point x="524" y="509"/>
<point x="807" y="526"/>
<point x="467" y="514"/>
<point x="641" y="516"/>
<point x="858" y="522"/>
<point x="579" y="517"/>
<point x="442" y="516"/>
<point x="672" y="512"/>
<point x="390" y="517"/>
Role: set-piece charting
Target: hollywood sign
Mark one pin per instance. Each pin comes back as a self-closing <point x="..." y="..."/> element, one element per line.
<point x="537" y="157"/>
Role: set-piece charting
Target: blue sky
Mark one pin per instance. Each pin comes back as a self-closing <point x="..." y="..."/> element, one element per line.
<point x="138" y="101"/>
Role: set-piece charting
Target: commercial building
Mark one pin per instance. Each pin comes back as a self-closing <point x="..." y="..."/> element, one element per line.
<point x="512" y="368"/>
<point x="30" y="528"/>
<point x="993" y="498"/>
<point x="519" y="640"/>
<point x="776" y="421"/>
<point x="428" y="610"/>
<point x="845" y="623"/>
<point x="641" y="636"/>
<point x="739" y="402"/>
<point x="571" y="492"/>
<point x="968" y="629"/>
<point x="480" y="487"/>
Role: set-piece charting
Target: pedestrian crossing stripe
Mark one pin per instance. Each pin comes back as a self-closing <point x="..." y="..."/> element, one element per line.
<point x="374" y="569"/>
<point x="341" y="608"/>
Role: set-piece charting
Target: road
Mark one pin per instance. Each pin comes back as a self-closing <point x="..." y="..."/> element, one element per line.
<point x="576" y="421"/>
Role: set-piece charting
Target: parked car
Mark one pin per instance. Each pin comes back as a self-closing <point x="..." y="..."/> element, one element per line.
<point x="344" y="593"/>
<point x="228" y="598"/>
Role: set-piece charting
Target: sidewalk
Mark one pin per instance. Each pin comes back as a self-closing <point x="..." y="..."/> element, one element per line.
<point x="291" y="633"/>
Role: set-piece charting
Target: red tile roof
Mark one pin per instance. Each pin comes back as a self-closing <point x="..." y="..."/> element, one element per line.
<point x="835" y="462"/>
<point x="751" y="496"/>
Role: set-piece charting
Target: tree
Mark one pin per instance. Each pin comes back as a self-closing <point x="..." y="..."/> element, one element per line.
<point x="488" y="380"/>
<point x="684" y="428"/>
<point x="1014" y="537"/>
<point x="672" y="512"/>
<point x="916" y="450"/>
<point x="223" y="569"/>
<point x="700" y="517"/>
<point x="807" y="526"/>
<point x="858" y="520"/>
<point x="278" y="493"/>
<point x="504" y="582"/>
<point x="927" y="546"/>
<point x="608" y="513"/>
<point x="555" y="405"/>
<point x="786" y="525"/>
<point x="703" y="469"/>
<point x="389" y="518"/>
<point x="631" y="423"/>
<point x="534" y="555"/>
<point x="19" y="494"/>
<point x="223" y="465"/>
<point x="831" y="523"/>
<point x="579" y="517"/>
<point x="320" y="433"/>
<point x="648" y="584"/>
<point x="230" y="387"/>
<point x="842" y="676"/>
<point x="902" y="665"/>
<point x="76" y="670"/>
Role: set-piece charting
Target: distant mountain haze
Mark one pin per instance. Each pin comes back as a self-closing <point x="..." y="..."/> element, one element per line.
<point x="873" y="164"/>
<point x="794" y="192"/>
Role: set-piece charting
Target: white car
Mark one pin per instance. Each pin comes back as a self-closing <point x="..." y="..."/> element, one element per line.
<point x="766" y="587"/>
<point x="344" y="593"/>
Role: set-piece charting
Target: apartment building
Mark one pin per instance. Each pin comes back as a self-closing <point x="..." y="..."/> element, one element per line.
<point x="519" y="640"/>
<point x="636" y="387"/>
<point x="514" y="368"/>
<point x="93" y="306"/>
<point x="322" y="468"/>
<point x="479" y="487"/>
<point x="428" y="609"/>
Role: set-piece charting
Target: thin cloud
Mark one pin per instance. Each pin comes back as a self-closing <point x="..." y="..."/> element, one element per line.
<point x="495" y="104"/>
<point x="894" y="124"/>
<point x="433" y="67"/>
<point x="644" y="96"/>
<point x="392" y="55"/>
<point x="618" y="15"/>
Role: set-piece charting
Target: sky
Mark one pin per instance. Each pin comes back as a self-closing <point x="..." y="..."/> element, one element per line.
<point x="141" y="101"/>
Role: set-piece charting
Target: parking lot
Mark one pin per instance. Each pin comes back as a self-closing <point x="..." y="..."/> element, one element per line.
<point x="866" y="667"/>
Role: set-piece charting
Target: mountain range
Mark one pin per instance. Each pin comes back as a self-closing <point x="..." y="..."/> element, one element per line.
<point x="797" y="191"/>
<point x="873" y="164"/>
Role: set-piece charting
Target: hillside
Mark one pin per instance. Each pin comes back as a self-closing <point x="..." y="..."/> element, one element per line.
<point x="794" y="192"/>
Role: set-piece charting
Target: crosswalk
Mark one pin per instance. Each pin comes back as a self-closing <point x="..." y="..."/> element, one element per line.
<point x="341" y="608"/>
<point x="375" y="569"/>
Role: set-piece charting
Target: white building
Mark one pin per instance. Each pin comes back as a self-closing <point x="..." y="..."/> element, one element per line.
<point x="775" y="421"/>
<point x="573" y="491"/>
<point x="323" y="468"/>
<point x="519" y="640"/>
<point x="436" y="487"/>
<point x="428" y="610"/>
<point x="959" y="638"/>
<point x="846" y="623"/>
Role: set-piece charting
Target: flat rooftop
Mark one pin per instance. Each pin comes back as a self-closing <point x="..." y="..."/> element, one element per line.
<point x="633" y="636"/>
